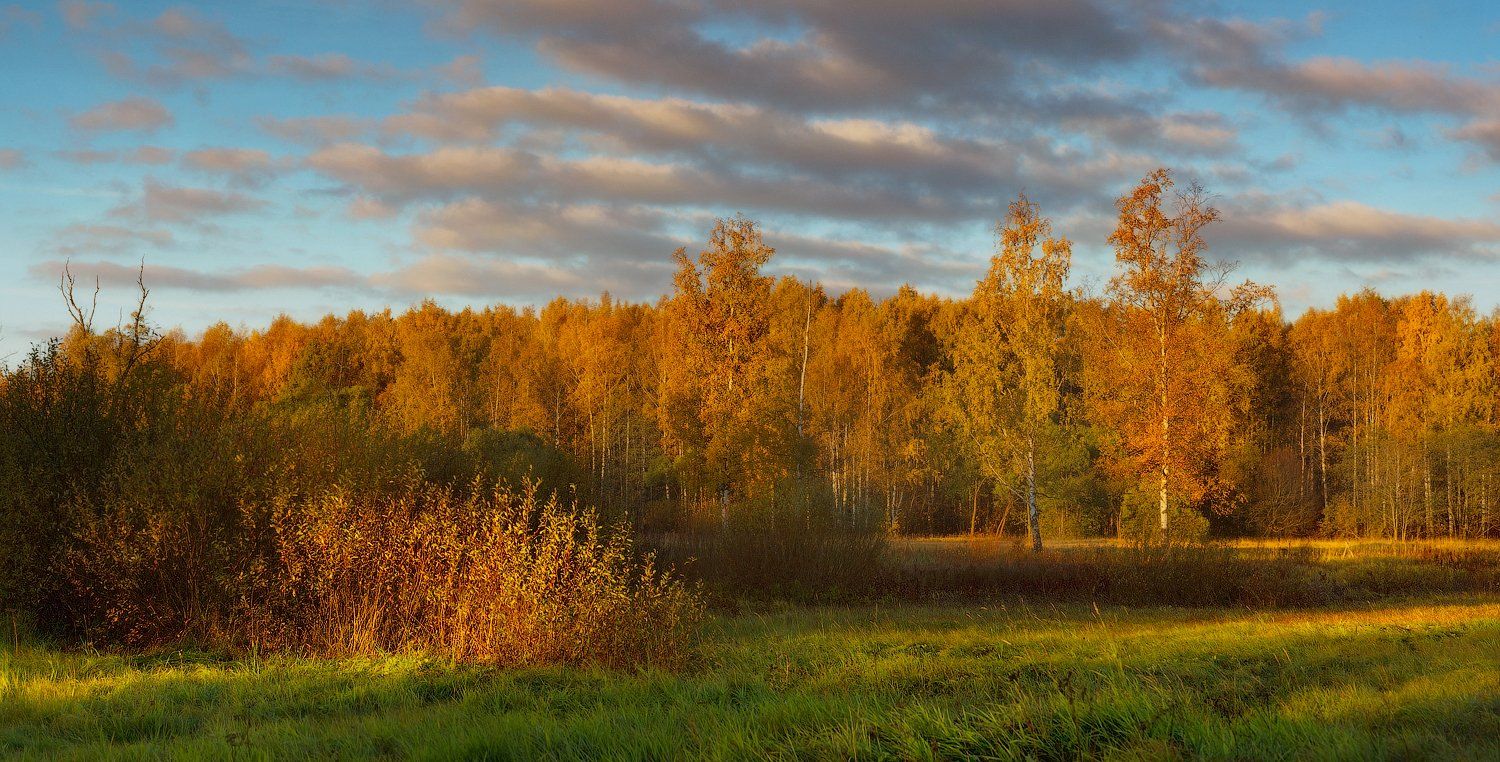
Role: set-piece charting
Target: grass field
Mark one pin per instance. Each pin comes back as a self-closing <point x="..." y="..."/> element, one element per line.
<point x="1397" y="679"/>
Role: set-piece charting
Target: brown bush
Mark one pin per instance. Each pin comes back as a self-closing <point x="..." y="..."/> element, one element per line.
<point x="495" y="576"/>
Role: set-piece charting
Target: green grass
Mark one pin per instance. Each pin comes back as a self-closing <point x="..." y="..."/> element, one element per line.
<point x="1398" y="679"/>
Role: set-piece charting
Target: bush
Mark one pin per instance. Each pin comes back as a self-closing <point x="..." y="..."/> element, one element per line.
<point x="495" y="576"/>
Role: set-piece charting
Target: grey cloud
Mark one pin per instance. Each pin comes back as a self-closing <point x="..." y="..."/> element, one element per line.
<point x="547" y="230"/>
<point x="127" y="115"/>
<point x="152" y="155"/>
<point x="339" y="67"/>
<point x="329" y="66"/>
<point x="451" y="172"/>
<point x="718" y="132"/>
<point x="1337" y="83"/>
<point x="243" y="166"/>
<point x="314" y="130"/>
<point x="367" y="208"/>
<point x="258" y="277"/>
<point x="1348" y="232"/>
<point x="1249" y="56"/>
<point x="81" y="14"/>
<point x="483" y="277"/>
<point x="1483" y="133"/>
<point x="184" y="48"/>
<point x="437" y="274"/>
<point x="12" y="16"/>
<point x="841" y="264"/>
<point x="1186" y="133"/>
<point x="882" y="53"/>
<point x="624" y="250"/>
<point x="169" y="203"/>
<point x="81" y="238"/>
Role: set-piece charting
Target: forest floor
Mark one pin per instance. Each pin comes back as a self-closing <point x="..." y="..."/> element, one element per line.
<point x="1402" y="677"/>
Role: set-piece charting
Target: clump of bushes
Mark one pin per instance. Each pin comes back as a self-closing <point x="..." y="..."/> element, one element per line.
<point x="493" y="575"/>
<point x="497" y="575"/>
<point x="135" y="513"/>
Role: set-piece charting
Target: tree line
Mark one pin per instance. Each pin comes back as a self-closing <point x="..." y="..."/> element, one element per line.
<point x="1174" y="401"/>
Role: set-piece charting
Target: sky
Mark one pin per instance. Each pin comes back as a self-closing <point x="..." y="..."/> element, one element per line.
<point x="301" y="158"/>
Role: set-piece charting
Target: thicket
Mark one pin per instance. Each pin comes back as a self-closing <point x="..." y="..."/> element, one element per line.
<point x="135" y="512"/>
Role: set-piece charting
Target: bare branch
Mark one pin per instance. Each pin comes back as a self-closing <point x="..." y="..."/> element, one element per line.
<point x="67" y="286"/>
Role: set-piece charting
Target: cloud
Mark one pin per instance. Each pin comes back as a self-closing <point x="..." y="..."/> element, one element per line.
<point x="13" y="16"/>
<point x="443" y="172"/>
<point x="551" y="231"/>
<point x="1350" y="232"/>
<point x="824" y="56"/>
<point x="482" y="277"/>
<point x="1249" y="56"/>
<point x="624" y="249"/>
<point x="96" y="239"/>
<point x="1337" y="83"/>
<point x="842" y="264"/>
<point x="127" y="115"/>
<point x="466" y="71"/>
<point x="1202" y="132"/>
<point x="256" y="278"/>
<point x="314" y="130"/>
<point x="838" y="147"/>
<point x="433" y="274"/>
<point x="81" y="14"/>
<point x="152" y="155"/>
<point x="159" y="202"/>
<point x="243" y="166"/>
<point x="366" y="208"/>
<point x="329" y="67"/>
<point x="181" y="47"/>
<point x="11" y="158"/>
<point x="1485" y="134"/>
<point x="452" y="172"/>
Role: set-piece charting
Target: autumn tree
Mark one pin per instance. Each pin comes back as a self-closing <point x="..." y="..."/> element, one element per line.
<point x="716" y="321"/>
<point x="1167" y="390"/>
<point x="1005" y="376"/>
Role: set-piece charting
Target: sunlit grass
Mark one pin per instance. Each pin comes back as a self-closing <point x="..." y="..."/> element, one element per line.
<point x="1413" y="678"/>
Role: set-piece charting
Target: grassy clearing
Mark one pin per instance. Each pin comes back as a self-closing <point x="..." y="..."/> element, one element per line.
<point x="1397" y="679"/>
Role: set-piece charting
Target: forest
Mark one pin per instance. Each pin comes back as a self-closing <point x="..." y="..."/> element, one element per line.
<point x="1032" y="522"/>
<point x="1173" y="400"/>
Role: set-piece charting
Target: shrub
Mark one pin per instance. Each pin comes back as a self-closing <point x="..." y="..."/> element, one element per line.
<point x="495" y="576"/>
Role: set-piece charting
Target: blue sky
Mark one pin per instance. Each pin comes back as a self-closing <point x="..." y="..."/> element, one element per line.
<point x="308" y="157"/>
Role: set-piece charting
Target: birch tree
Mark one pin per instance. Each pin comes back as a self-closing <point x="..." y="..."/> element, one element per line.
<point x="1006" y="376"/>
<point x="1170" y="386"/>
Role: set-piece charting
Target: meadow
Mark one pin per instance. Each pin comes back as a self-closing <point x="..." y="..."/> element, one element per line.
<point x="1410" y="674"/>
